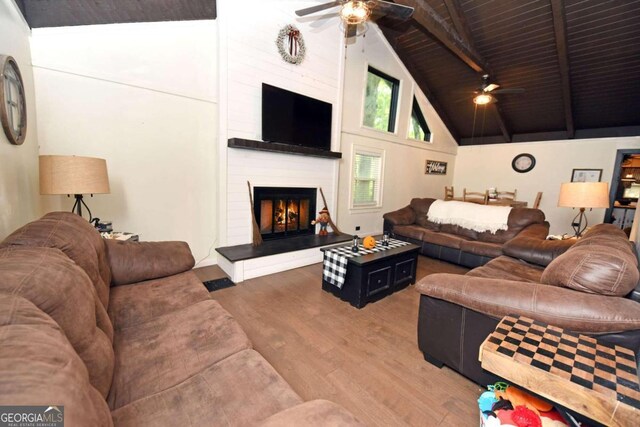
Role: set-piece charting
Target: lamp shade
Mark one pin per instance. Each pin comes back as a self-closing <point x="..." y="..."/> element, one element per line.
<point x="584" y="195"/>
<point x="73" y="175"/>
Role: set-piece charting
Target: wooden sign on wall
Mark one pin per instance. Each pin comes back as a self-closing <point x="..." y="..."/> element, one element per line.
<point x="435" y="167"/>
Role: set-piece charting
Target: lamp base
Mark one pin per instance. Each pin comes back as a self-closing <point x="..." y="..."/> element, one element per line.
<point x="77" y="206"/>
<point x="577" y="225"/>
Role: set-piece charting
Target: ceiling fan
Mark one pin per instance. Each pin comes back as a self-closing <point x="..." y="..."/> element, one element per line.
<point x="485" y="93"/>
<point x="357" y="13"/>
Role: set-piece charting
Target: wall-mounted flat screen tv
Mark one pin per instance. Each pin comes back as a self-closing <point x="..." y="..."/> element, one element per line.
<point x="291" y="118"/>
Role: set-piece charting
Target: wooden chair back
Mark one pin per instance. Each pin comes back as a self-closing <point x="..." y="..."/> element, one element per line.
<point x="475" y="197"/>
<point x="536" y="202"/>
<point x="448" y="193"/>
<point x="507" y="196"/>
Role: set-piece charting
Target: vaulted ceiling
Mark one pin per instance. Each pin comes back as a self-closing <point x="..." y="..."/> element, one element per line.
<point x="578" y="60"/>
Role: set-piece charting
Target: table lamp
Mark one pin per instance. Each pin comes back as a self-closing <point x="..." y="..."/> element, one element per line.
<point x="583" y="195"/>
<point x="74" y="175"/>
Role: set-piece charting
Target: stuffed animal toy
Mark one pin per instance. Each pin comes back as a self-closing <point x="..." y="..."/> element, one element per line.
<point x="323" y="220"/>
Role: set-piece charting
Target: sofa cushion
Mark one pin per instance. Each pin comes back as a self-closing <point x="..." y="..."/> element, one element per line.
<point x="442" y="239"/>
<point x="459" y="231"/>
<point x="592" y="268"/>
<point x="161" y="259"/>
<point x="61" y="289"/>
<point x="487" y="249"/>
<point x="565" y="308"/>
<point x="519" y="219"/>
<point x="421" y="207"/>
<point x="411" y="231"/>
<point x="601" y="262"/>
<point x="76" y="238"/>
<point x="161" y="353"/>
<point x="131" y="305"/>
<point x="606" y="235"/>
<point x="240" y="390"/>
<point x="38" y="366"/>
<point x="315" y="413"/>
<point x="504" y="267"/>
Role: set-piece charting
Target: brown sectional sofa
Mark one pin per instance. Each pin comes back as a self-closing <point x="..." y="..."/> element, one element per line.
<point x="123" y="333"/>
<point x="588" y="286"/>
<point x="456" y="244"/>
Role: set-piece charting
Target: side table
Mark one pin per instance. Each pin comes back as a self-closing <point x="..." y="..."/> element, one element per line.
<point x="598" y="380"/>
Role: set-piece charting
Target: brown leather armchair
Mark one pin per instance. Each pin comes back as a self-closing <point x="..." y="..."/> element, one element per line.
<point x="588" y="286"/>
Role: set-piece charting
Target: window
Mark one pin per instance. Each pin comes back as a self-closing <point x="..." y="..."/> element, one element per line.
<point x="418" y="128"/>
<point x="366" y="186"/>
<point x="381" y="100"/>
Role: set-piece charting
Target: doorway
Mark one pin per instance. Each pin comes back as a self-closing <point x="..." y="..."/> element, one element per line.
<point x="625" y="189"/>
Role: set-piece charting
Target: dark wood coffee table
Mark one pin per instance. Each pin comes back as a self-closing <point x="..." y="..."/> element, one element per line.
<point x="371" y="277"/>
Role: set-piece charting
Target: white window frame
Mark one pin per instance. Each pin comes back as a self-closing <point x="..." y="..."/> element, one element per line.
<point x="361" y="150"/>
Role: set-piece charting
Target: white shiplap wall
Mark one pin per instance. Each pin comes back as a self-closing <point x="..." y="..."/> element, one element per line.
<point x="249" y="53"/>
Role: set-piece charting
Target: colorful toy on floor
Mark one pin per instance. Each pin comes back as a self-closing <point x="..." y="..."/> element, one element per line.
<point x="508" y="406"/>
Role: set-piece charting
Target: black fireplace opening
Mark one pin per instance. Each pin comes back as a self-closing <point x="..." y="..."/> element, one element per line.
<point x="283" y="212"/>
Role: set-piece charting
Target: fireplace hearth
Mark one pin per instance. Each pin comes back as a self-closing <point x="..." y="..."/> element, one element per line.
<point x="283" y="212"/>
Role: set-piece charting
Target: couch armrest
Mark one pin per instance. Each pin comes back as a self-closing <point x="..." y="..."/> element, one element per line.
<point x="566" y="308"/>
<point x="313" y="413"/>
<point x="404" y="216"/>
<point x="132" y="262"/>
<point x="530" y="245"/>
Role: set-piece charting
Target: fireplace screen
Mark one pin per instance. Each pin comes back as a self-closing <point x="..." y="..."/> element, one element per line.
<point x="284" y="212"/>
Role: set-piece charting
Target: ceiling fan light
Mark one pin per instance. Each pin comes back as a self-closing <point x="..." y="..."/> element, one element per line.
<point x="483" y="99"/>
<point x="355" y="12"/>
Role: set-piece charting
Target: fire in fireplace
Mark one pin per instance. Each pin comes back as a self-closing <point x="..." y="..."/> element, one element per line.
<point x="283" y="212"/>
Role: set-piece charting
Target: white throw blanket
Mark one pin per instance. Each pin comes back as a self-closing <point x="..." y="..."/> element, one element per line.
<point x="475" y="217"/>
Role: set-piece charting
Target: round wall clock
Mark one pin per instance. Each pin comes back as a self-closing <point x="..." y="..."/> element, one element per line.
<point x="523" y="163"/>
<point x="13" y="107"/>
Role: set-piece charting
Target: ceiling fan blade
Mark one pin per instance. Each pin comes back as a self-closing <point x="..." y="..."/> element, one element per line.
<point x="509" y="90"/>
<point x="320" y="21"/>
<point x="491" y="87"/>
<point x="318" y="8"/>
<point x="351" y="31"/>
<point x="394" y="10"/>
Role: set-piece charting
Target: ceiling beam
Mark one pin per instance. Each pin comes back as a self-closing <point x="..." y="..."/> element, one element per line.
<point x="504" y="128"/>
<point x="413" y="70"/>
<point x="435" y="25"/>
<point x="457" y="40"/>
<point x="560" y="30"/>
<point x="459" y="21"/>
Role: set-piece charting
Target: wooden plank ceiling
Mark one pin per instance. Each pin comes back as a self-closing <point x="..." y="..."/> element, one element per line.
<point x="578" y="60"/>
<point x="59" y="13"/>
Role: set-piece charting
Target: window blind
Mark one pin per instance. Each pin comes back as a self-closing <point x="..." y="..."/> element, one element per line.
<point x="365" y="189"/>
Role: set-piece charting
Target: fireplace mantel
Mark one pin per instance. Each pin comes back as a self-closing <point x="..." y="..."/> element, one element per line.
<point x="274" y="147"/>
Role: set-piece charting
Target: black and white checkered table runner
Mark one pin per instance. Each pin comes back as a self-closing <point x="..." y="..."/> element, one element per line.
<point x="335" y="260"/>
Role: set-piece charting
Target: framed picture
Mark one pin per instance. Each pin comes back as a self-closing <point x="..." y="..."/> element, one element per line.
<point x="435" y="167"/>
<point x="586" y="175"/>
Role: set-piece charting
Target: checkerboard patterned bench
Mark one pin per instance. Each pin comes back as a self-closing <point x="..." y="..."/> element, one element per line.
<point x="596" y="379"/>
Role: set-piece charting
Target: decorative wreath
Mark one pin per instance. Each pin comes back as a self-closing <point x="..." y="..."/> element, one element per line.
<point x="294" y="53"/>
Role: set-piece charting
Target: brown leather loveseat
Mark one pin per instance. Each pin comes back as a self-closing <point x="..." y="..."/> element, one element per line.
<point x="456" y="244"/>
<point x="587" y="287"/>
<point x="125" y="334"/>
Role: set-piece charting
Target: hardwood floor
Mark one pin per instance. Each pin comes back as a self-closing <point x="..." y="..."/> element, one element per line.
<point x="367" y="360"/>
